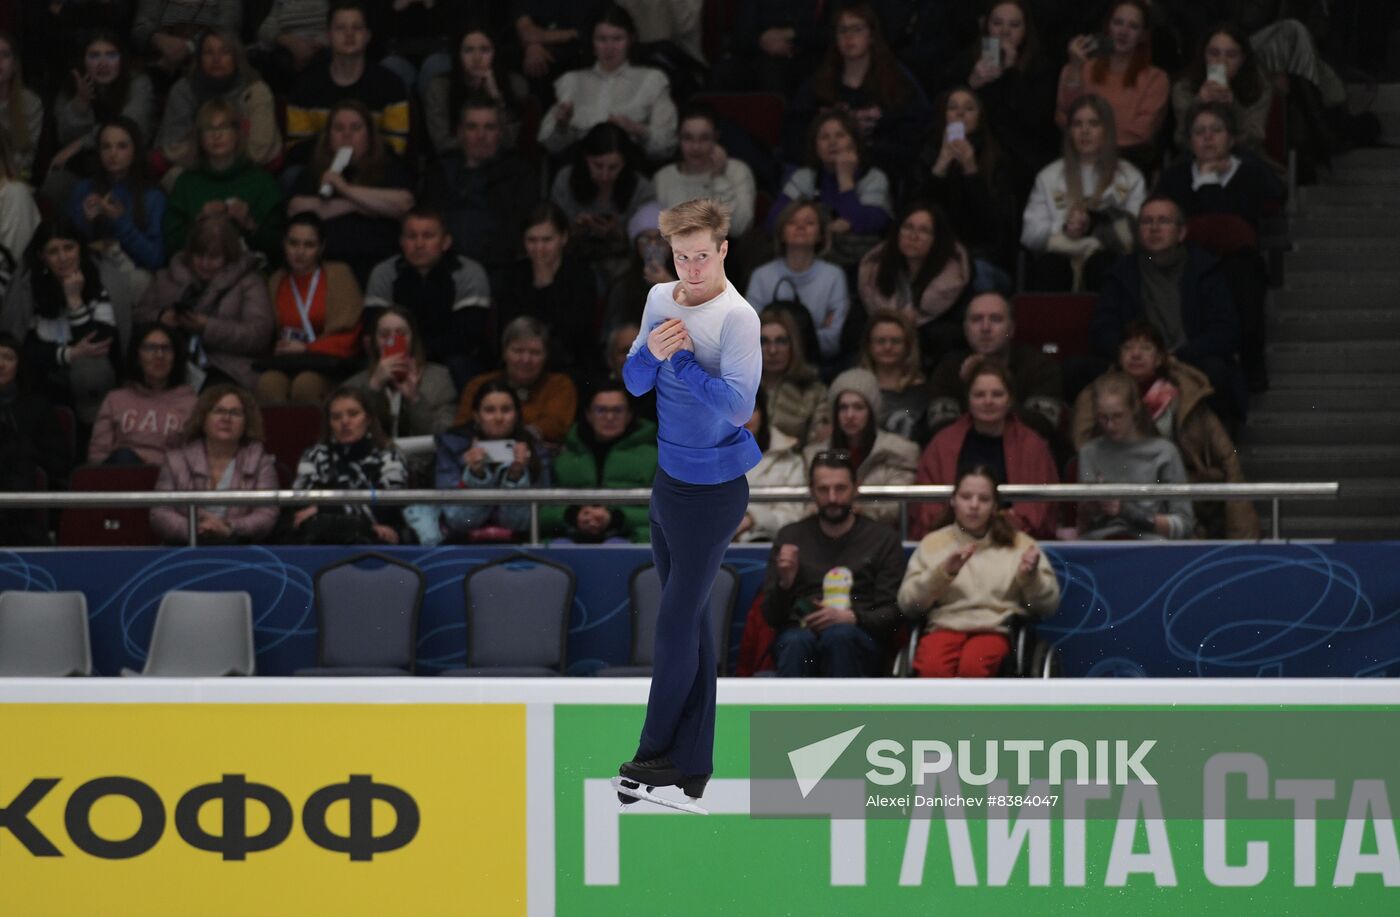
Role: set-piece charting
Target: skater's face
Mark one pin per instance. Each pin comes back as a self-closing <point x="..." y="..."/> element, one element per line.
<point x="495" y="416"/>
<point x="1086" y="132"/>
<point x="9" y="365"/>
<point x="349" y="421"/>
<point x="777" y="347"/>
<point x="852" y="414"/>
<point x="1160" y="227"/>
<point x="988" y="324"/>
<point x="1007" y="23"/>
<point x="699" y="264"/>
<point x="609" y="415"/>
<point x="156" y="356"/>
<point x="226" y="420"/>
<point x="974" y="501"/>
<point x="1114" y="418"/>
<point x="424" y="242"/>
<point x="988" y="401"/>
<point x="834" y="493"/>
<point x="524" y="361"/>
<point x="916" y="236"/>
<point x="1222" y="50"/>
<point x="216" y="59"/>
<point x="1210" y="139"/>
<point x="610" y="45"/>
<point x="477" y="54"/>
<point x="1140" y="359"/>
<point x="115" y="149"/>
<point x="888" y="346"/>
<point x="349" y="33"/>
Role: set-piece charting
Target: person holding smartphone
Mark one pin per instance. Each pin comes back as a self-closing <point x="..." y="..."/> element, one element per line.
<point x="1117" y="66"/>
<point x="493" y="450"/>
<point x="416" y="398"/>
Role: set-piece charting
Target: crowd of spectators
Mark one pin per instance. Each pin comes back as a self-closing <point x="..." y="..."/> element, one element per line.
<point x="440" y="220"/>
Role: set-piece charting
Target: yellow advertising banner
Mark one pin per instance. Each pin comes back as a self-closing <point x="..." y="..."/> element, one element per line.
<point x="262" y="809"/>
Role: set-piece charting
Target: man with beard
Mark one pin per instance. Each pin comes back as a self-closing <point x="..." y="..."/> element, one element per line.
<point x="832" y="581"/>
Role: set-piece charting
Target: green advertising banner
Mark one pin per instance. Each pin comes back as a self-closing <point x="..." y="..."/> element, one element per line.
<point x="1309" y="833"/>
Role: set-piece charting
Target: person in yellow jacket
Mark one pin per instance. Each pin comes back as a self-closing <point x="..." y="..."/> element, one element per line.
<point x="966" y="580"/>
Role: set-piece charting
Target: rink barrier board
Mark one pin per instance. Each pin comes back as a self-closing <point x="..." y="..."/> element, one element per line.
<point x="496" y="838"/>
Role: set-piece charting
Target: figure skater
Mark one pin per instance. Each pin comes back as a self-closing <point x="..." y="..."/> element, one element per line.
<point x="698" y="346"/>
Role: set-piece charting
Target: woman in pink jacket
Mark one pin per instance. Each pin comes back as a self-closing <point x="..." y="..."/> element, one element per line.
<point x="223" y="450"/>
<point x="139" y="421"/>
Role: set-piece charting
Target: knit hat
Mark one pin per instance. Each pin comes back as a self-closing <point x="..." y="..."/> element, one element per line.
<point x="648" y="216"/>
<point x="860" y="381"/>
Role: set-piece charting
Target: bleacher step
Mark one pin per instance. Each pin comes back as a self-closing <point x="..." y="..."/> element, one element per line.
<point x="1318" y="463"/>
<point x="1301" y="293"/>
<point x="1319" y="324"/>
<point x="1320" y="392"/>
<point x="1347" y="255"/>
<point x="1323" y="428"/>
<point x="1360" y="196"/>
<point x="1327" y="223"/>
<point x="1326" y="357"/>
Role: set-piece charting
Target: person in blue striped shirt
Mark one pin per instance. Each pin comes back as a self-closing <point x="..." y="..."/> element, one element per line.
<point x="698" y="346"/>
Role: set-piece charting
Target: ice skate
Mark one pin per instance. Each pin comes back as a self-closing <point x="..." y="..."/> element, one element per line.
<point x="630" y="792"/>
<point x="638" y="780"/>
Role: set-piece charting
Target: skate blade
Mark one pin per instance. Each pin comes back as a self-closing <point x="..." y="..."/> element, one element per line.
<point x="645" y="795"/>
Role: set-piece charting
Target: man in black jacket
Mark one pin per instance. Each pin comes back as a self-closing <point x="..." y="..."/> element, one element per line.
<point x="1182" y="292"/>
<point x="832" y="581"/>
<point x="484" y="194"/>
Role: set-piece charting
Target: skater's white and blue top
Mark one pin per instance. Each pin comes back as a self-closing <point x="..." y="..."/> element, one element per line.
<point x="704" y="398"/>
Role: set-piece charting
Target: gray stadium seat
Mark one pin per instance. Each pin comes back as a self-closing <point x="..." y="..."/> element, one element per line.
<point x="368" y="616"/>
<point x="200" y="635"/>
<point x="517" y="617"/>
<point x="44" y="635"/>
<point x="644" y="593"/>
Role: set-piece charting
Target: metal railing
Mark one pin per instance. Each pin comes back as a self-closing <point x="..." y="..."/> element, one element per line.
<point x="919" y="493"/>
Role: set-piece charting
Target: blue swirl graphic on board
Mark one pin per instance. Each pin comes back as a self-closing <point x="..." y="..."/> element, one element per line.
<point x="19" y="574"/>
<point x="258" y="571"/>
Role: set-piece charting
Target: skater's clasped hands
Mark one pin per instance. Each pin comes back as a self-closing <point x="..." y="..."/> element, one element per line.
<point x="667" y="338"/>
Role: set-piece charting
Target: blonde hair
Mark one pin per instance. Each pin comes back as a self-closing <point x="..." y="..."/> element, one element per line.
<point x="700" y="214"/>
<point x="1105" y="163"/>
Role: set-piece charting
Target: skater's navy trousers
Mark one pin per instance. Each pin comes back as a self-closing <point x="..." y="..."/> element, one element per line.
<point x="691" y="525"/>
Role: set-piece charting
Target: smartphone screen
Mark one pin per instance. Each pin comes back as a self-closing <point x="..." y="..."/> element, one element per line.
<point x="991" y="51"/>
<point x="956" y="131"/>
<point x="1216" y="74"/>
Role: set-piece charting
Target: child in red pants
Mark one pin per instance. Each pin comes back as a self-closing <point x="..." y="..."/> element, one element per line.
<point x="966" y="580"/>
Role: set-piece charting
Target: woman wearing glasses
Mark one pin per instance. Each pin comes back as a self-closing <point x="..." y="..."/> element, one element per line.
<point x="223" y="450"/>
<point x="139" y="421"/>
<point x="698" y="347"/>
